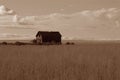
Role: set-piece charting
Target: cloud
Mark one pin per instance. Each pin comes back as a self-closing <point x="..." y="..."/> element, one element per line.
<point x="112" y="14"/>
<point x="6" y="11"/>
<point x="14" y="36"/>
<point x="87" y="24"/>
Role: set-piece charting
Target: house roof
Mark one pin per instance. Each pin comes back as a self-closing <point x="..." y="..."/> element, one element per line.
<point x="48" y="33"/>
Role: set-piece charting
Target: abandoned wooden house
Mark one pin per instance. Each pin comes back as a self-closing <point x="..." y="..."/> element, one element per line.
<point x="46" y="37"/>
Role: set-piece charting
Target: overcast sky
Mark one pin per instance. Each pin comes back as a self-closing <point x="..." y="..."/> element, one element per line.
<point x="89" y="19"/>
<point x="41" y="7"/>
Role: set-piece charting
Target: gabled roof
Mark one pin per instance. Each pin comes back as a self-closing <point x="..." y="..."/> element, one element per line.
<point x="50" y="33"/>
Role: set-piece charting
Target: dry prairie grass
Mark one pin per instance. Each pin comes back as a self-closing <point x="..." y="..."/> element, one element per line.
<point x="60" y="62"/>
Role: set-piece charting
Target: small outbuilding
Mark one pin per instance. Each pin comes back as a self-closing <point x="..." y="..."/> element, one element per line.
<point x="48" y="37"/>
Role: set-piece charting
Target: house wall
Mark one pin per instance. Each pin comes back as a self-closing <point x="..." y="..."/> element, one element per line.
<point x="39" y="39"/>
<point x="48" y="38"/>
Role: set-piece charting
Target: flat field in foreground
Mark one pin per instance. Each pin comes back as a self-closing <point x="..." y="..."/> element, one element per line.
<point x="86" y="61"/>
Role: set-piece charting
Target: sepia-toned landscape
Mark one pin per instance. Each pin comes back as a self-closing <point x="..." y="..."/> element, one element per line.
<point x="81" y="61"/>
<point x="59" y="39"/>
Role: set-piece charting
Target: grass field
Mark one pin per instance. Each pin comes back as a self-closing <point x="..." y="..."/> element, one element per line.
<point x="86" y="61"/>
